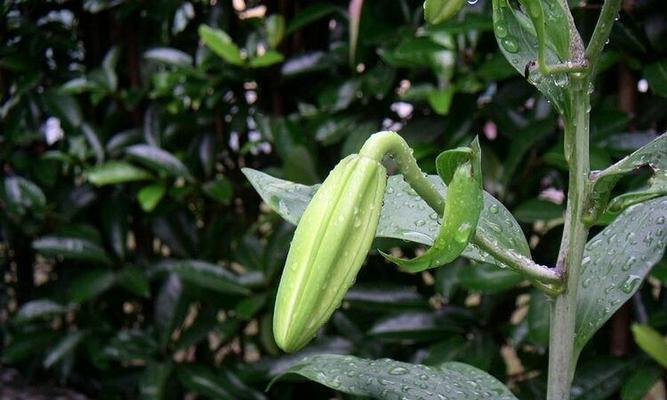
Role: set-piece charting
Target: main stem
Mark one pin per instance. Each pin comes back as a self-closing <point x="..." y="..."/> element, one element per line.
<point x="562" y="360"/>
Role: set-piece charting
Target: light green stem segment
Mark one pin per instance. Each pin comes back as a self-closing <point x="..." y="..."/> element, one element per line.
<point x="382" y="143"/>
<point x="387" y="142"/>
<point x="562" y="362"/>
<point x="602" y="30"/>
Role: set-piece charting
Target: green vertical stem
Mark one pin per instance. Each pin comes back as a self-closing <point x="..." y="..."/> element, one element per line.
<point x="562" y="360"/>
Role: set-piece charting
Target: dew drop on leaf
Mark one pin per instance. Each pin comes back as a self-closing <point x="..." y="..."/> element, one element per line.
<point x="398" y="371"/>
<point x="510" y="45"/>
<point x="630" y="283"/>
<point x="501" y="30"/>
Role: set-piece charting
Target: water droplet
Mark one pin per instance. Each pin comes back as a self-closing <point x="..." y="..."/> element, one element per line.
<point x="463" y="233"/>
<point x="472" y="2"/>
<point x="561" y="80"/>
<point x="660" y="220"/>
<point x="398" y="371"/>
<point x="630" y="284"/>
<point x="420" y="222"/>
<point x="494" y="209"/>
<point x="434" y="216"/>
<point x="510" y="45"/>
<point x="500" y="29"/>
<point x="628" y="264"/>
<point x="587" y="282"/>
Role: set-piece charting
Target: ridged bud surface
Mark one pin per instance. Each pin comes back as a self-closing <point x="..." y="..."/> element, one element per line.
<point x="329" y="246"/>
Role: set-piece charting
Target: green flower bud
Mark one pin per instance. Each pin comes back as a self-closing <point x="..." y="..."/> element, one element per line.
<point x="329" y="246"/>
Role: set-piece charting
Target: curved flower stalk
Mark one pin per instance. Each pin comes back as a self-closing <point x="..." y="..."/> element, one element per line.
<point x="461" y="170"/>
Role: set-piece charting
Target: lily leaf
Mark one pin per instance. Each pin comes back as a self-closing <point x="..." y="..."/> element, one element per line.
<point x="404" y="215"/>
<point x="615" y="263"/>
<point x="519" y="42"/>
<point x="389" y="379"/>
<point x="652" y="342"/>
<point x="654" y="154"/>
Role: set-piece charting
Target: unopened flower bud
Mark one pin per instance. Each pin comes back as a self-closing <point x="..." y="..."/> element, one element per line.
<point x="330" y="244"/>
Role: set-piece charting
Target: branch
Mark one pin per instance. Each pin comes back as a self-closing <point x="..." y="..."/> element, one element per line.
<point x="383" y="143"/>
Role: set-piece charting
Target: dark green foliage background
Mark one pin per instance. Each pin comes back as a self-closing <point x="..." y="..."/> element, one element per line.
<point x="119" y="291"/>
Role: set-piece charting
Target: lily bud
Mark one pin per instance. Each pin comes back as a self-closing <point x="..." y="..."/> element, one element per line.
<point x="329" y="246"/>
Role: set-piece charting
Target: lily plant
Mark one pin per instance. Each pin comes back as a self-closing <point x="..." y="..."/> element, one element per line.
<point x="452" y="214"/>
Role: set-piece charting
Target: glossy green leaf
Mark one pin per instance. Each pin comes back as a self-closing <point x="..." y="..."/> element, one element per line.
<point x="269" y="58"/>
<point x="169" y="307"/>
<point x="135" y="280"/>
<point x="216" y="383"/>
<point x="70" y="248"/>
<point x="384" y="297"/>
<point x="518" y="42"/>
<point x="308" y="15"/>
<point x="149" y="196"/>
<point x="440" y="100"/>
<point x="63" y="348"/>
<point x="40" y="308"/>
<point x="204" y="274"/>
<point x="656" y="74"/>
<point x="653" y="155"/>
<point x="538" y="318"/>
<point x="90" y="284"/>
<point x="418" y="325"/>
<point x="639" y="383"/>
<point x="615" y="263"/>
<point x="250" y="306"/>
<point x="158" y="159"/>
<point x="600" y="378"/>
<point x="220" y="190"/>
<point x="23" y="345"/>
<point x="168" y="55"/>
<point x="656" y="186"/>
<point x="64" y="107"/>
<point x="110" y="78"/>
<point x="388" y="379"/>
<point x="154" y="380"/>
<point x="221" y="44"/>
<point x="404" y="214"/>
<point x="201" y="380"/>
<point x="538" y="210"/>
<point x="652" y="342"/>
<point x="95" y="6"/>
<point x="115" y="172"/>
<point x="488" y="278"/>
<point x="275" y="29"/>
<point x="21" y="194"/>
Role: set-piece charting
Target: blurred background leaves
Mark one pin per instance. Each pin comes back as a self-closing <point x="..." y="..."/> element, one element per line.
<point x="137" y="260"/>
